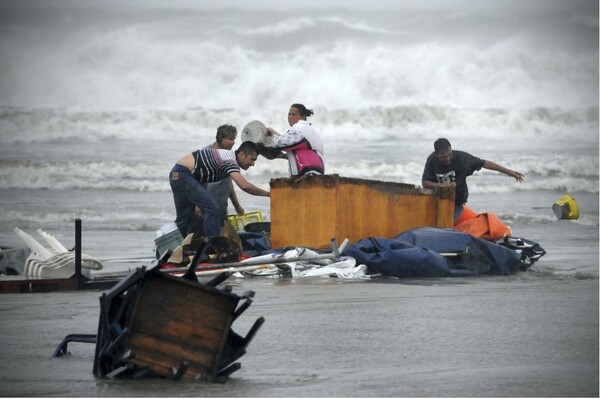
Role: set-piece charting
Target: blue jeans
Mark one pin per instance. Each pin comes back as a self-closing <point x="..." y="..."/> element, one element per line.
<point x="189" y="193"/>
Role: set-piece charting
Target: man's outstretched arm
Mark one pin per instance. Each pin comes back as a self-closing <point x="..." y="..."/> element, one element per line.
<point x="512" y="173"/>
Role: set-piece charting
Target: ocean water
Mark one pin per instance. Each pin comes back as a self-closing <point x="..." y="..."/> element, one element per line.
<point x="99" y="99"/>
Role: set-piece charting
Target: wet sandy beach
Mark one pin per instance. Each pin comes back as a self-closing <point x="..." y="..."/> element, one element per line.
<point x="523" y="335"/>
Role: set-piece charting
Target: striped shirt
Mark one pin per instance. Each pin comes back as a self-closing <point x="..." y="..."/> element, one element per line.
<point x="214" y="165"/>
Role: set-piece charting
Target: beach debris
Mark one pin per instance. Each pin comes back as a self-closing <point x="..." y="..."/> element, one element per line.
<point x="239" y="222"/>
<point x="218" y="249"/>
<point x="485" y="225"/>
<point x="167" y="238"/>
<point x="55" y="262"/>
<point x="345" y="268"/>
<point x="62" y="350"/>
<point x="435" y="252"/>
<point x="153" y="324"/>
<point x="296" y="262"/>
<point x="12" y="261"/>
<point x="566" y="208"/>
<point x="303" y="262"/>
<point x="530" y="251"/>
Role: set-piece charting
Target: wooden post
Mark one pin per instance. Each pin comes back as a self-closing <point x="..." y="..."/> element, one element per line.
<point x="78" y="276"/>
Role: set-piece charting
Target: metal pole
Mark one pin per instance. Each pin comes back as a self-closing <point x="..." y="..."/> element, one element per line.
<point x="78" y="279"/>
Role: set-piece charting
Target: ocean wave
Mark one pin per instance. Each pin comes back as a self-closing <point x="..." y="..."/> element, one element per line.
<point x="301" y="24"/>
<point x="578" y="174"/>
<point x="341" y="62"/>
<point x="545" y="125"/>
<point x="506" y="124"/>
<point x="560" y="185"/>
<point x="26" y="125"/>
<point x="116" y="220"/>
<point x="88" y="175"/>
<point x="546" y="218"/>
<point x="152" y="176"/>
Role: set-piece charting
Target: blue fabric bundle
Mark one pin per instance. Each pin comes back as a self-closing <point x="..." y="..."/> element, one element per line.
<point x="418" y="253"/>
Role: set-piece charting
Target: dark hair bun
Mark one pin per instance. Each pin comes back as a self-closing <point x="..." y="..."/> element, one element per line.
<point x="303" y="110"/>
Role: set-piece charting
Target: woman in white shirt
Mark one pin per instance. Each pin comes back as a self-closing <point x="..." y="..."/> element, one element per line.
<point x="302" y="143"/>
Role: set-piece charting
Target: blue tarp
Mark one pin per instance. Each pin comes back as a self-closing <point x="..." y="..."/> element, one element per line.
<point x="395" y="258"/>
<point x="418" y="253"/>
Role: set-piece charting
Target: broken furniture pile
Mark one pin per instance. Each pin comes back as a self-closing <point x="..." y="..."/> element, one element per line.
<point x="155" y="324"/>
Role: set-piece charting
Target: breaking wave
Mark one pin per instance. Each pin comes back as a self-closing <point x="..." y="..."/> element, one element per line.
<point x="544" y="124"/>
<point x="117" y="220"/>
<point x="581" y="175"/>
<point x="343" y="60"/>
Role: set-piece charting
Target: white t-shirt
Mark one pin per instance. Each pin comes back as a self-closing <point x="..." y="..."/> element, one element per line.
<point x="300" y="131"/>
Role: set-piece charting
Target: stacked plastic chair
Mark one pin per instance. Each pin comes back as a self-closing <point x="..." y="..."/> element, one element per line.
<point x="56" y="262"/>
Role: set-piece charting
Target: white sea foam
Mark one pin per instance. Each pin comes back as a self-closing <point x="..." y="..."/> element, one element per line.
<point x="546" y="125"/>
<point x="117" y="219"/>
<point x="89" y="175"/>
<point x="300" y="25"/>
<point x="376" y="60"/>
<point x="279" y="28"/>
<point x="545" y="219"/>
<point x="581" y="176"/>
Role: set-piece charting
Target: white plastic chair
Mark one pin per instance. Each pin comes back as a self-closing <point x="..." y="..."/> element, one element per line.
<point x="53" y="242"/>
<point x="57" y="262"/>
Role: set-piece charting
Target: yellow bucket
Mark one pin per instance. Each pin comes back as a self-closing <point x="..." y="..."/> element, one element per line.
<point x="566" y="208"/>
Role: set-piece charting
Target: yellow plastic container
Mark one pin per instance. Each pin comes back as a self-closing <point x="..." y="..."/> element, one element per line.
<point x="566" y="208"/>
<point x="239" y="221"/>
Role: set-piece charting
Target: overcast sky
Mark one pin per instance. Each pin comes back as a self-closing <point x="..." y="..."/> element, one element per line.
<point x="303" y="5"/>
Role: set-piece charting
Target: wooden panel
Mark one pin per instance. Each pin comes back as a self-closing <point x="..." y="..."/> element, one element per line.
<point x="172" y="352"/>
<point x="201" y="335"/>
<point x="303" y="213"/>
<point x="164" y="369"/>
<point x="192" y="310"/>
<point x="445" y="210"/>
<point x="191" y="325"/>
<point x="162" y="358"/>
<point x="311" y="210"/>
<point x="181" y="292"/>
<point x="386" y="214"/>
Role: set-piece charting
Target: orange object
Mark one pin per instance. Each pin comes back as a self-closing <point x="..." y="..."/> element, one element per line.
<point x="466" y="214"/>
<point x="486" y="226"/>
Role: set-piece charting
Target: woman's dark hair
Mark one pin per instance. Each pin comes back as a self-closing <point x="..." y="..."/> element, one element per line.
<point x="303" y="110"/>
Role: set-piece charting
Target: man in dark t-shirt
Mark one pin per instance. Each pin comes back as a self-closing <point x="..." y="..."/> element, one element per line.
<point x="450" y="168"/>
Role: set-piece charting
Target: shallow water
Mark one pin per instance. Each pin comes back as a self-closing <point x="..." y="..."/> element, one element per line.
<point x="531" y="334"/>
<point x="524" y="335"/>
